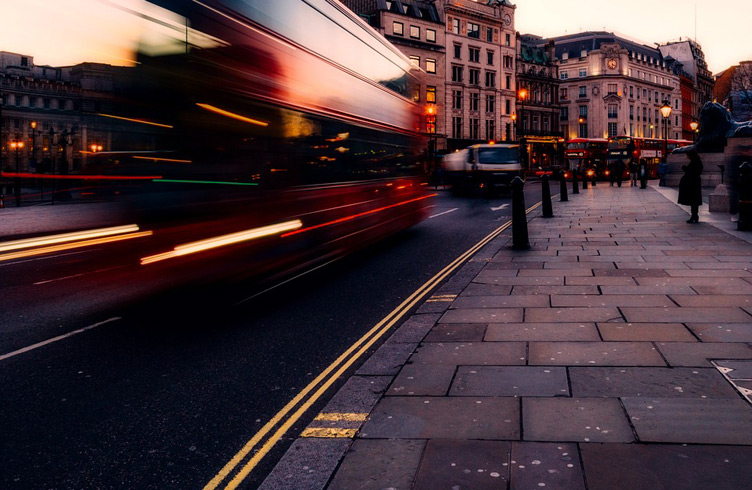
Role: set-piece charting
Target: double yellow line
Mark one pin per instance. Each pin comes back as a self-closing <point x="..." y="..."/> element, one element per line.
<point x="289" y="415"/>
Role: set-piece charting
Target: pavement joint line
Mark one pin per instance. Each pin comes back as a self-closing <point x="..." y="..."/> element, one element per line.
<point x="367" y="340"/>
<point x="55" y="339"/>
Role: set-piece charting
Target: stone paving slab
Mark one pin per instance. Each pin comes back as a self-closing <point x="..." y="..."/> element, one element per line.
<point x="647" y="290"/>
<point x="444" y="418"/>
<point x="536" y="465"/>
<point x="422" y="380"/>
<point x="666" y="467"/>
<point x="457" y="465"/>
<point x="645" y="332"/>
<point x="698" y="354"/>
<point x="575" y="420"/>
<point x="685" y="314"/>
<point x="691" y="420"/>
<point x="649" y="382"/>
<point x="706" y="301"/>
<point x="387" y="360"/>
<point x="707" y="273"/>
<point x="471" y="353"/>
<point x="457" y="332"/>
<point x="547" y="290"/>
<point x="510" y="332"/>
<point x="510" y="381"/>
<point x="738" y="369"/>
<point x="723" y="290"/>
<point x="485" y="290"/>
<point x="595" y="314"/>
<point x="654" y="300"/>
<point x="722" y="332"/>
<point x="600" y="281"/>
<point x="482" y="315"/>
<point x="469" y="302"/>
<point x="594" y="354"/>
<point x="488" y="278"/>
<point x="560" y="272"/>
<point x="307" y="465"/>
<point x="737" y="267"/>
<point x="414" y="329"/>
<point x="379" y="464"/>
<point x="693" y="281"/>
<point x="631" y="272"/>
<point x="595" y="266"/>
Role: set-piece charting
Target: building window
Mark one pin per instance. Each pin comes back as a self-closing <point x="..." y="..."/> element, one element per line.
<point x="583" y="130"/>
<point x="456" y="26"/>
<point x="508" y="132"/>
<point x="564" y="56"/>
<point x="398" y="29"/>
<point x="474" y="101"/>
<point x="583" y="53"/>
<point x="491" y="79"/>
<point x="430" y="65"/>
<point x="489" y="34"/>
<point x="431" y="94"/>
<point x="489" y="57"/>
<point x="430" y="35"/>
<point x="507" y="40"/>
<point x="563" y="75"/>
<point x="474" y="76"/>
<point x="490" y="103"/>
<point x="583" y="92"/>
<point x="458" y="51"/>
<point x="631" y="112"/>
<point x="490" y="129"/>
<point x="583" y="111"/>
<point x="564" y="114"/>
<point x="431" y="124"/>
<point x="456" y="73"/>
<point x="457" y="127"/>
<point x="415" y="32"/>
<point x="474" y="128"/>
<point x="612" y="131"/>
<point x="564" y="93"/>
<point x="565" y="130"/>
<point x="457" y="99"/>
<point x="508" y="62"/>
<point x="415" y="60"/>
<point x="612" y="89"/>
<point x="473" y="30"/>
<point x="613" y="111"/>
<point x="474" y="54"/>
<point x="631" y="92"/>
<point x="508" y="82"/>
<point x="583" y="72"/>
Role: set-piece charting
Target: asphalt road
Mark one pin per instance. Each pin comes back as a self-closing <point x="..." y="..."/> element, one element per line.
<point x="167" y="391"/>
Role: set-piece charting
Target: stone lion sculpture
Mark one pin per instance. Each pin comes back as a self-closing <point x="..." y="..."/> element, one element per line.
<point x="716" y="125"/>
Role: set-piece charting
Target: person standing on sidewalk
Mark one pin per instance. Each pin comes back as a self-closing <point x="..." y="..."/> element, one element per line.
<point x="619" y="171"/>
<point x="690" y="185"/>
<point x="633" y="168"/>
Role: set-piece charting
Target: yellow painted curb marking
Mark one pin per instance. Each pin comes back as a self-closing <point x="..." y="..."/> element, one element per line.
<point x="347" y="417"/>
<point x="328" y="433"/>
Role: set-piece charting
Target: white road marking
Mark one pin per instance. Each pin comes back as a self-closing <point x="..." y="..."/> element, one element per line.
<point x="77" y="275"/>
<point x="503" y="206"/>
<point x="445" y="212"/>
<point x="55" y="339"/>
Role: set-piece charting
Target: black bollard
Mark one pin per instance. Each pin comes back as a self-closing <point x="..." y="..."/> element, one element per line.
<point x="563" y="187"/>
<point x="745" y="197"/>
<point x="548" y="211"/>
<point x="584" y="180"/>
<point x="519" y="216"/>
<point x="595" y="179"/>
<point x="575" y="185"/>
<point x="643" y="175"/>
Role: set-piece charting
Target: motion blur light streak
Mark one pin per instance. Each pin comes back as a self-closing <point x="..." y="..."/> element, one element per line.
<point x="79" y="177"/>
<point x="221" y="241"/>
<point x="351" y="217"/>
<point x="66" y="237"/>
<point x="69" y="246"/>
<point x="140" y="121"/>
<point x="177" y="181"/>
<point x="223" y="112"/>
<point x="157" y="159"/>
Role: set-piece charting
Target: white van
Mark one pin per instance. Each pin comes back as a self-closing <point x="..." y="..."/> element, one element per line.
<point x="483" y="166"/>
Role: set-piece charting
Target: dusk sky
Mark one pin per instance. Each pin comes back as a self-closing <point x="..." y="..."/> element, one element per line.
<point x="61" y="32"/>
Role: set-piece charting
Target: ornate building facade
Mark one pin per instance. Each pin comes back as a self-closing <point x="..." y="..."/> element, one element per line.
<point x="612" y="86"/>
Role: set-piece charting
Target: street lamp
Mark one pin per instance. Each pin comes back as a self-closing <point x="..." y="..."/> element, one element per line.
<point x="693" y="126"/>
<point x="17" y="145"/>
<point x="522" y="93"/>
<point x="430" y="128"/>
<point x="32" y="157"/>
<point x="666" y="113"/>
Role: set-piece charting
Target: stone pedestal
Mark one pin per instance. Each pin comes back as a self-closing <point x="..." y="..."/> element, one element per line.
<point x="711" y="172"/>
<point x="719" y="200"/>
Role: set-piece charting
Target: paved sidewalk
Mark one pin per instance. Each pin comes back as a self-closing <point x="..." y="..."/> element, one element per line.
<point x="615" y="354"/>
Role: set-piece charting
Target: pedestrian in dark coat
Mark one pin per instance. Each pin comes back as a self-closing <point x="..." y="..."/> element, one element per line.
<point x="619" y="171"/>
<point x="690" y="185"/>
